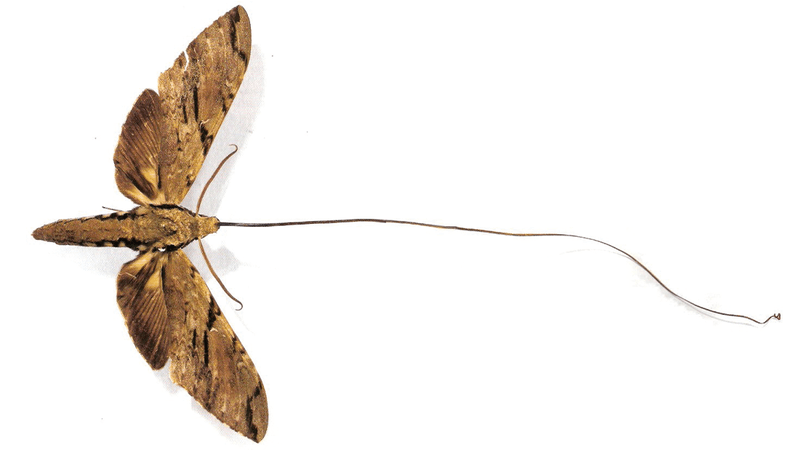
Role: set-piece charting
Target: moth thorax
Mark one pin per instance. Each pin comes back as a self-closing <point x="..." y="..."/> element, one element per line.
<point x="171" y="226"/>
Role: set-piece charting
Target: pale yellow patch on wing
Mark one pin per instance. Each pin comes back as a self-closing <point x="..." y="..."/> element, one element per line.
<point x="150" y="175"/>
<point x="137" y="264"/>
<point x="154" y="282"/>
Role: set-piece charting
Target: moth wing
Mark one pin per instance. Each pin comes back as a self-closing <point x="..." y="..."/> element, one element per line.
<point x="137" y="155"/>
<point x="171" y="314"/>
<point x="140" y="296"/>
<point x="208" y="360"/>
<point x="196" y="93"/>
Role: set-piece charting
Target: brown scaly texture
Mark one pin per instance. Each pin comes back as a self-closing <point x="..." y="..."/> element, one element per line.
<point x="196" y="93"/>
<point x="167" y="307"/>
<point x="171" y="314"/>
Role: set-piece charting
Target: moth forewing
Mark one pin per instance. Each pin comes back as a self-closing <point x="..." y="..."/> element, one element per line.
<point x="208" y="359"/>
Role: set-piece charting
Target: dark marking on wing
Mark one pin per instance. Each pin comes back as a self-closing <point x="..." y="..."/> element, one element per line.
<point x="196" y="106"/>
<point x="205" y="348"/>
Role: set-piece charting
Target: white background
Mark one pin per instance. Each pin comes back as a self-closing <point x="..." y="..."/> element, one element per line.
<point x="669" y="130"/>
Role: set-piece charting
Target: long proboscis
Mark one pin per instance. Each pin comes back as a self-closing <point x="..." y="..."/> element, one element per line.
<point x="504" y="233"/>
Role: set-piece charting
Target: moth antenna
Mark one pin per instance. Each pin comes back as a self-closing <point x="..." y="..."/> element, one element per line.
<point x="112" y="209"/>
<point x="200" y="242"/>
<point x="221" y="284"/>
<point x="504" y="233"/>
<point x="213" y="175"/>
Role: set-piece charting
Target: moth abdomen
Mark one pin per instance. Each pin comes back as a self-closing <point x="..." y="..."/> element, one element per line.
<point x="106" y="230"/>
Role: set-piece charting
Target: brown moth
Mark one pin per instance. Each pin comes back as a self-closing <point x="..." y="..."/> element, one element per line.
<point x="167" y="306"/>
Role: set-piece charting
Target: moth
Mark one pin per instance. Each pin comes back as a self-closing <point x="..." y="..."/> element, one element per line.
<point x="168" y="309"/>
